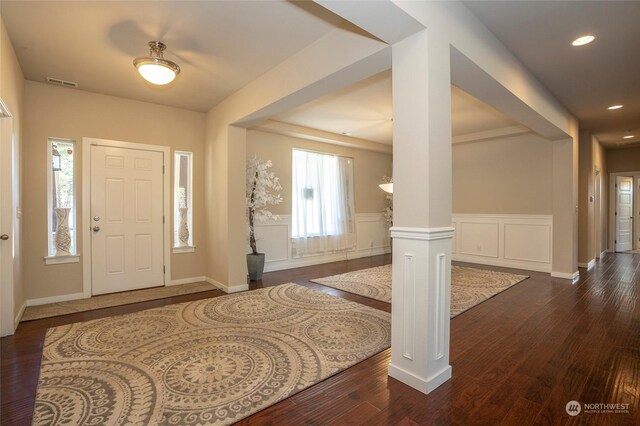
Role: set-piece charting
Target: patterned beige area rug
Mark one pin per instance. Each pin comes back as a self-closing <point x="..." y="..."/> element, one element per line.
<point x="469" y="286"/>
<point x="208" y="362"/>
<point x="109" y="300"/>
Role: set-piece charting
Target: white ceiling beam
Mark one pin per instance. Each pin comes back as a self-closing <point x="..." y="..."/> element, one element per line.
<point x="382" y="19"/>
<point x="468" y="76"/>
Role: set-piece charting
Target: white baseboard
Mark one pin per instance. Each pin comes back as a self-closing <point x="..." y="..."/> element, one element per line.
<point x="587" y="265"/>
<point x="318" y="260"/>
<point x="186" y="281"/>
<point x="55" y="299"/>
<point x="18" y="316"/>
<point x="566" y="275"/>
<point x="424" y="386"/>
<point x="527" y="266"/>
<point x="227" y="289"/>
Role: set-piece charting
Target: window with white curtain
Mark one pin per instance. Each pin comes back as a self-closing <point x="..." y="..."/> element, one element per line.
<point x="323" y="214"/>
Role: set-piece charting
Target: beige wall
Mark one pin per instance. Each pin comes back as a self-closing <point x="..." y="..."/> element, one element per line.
<point x="11" y="92"/>
<point x="623" y="160"/>
<point x="600" y="163"/>
<point x="52" y="111"/>
<point x="592" y="158"/>
<point x="504" y="176"/>
<point x="369" y="167"/>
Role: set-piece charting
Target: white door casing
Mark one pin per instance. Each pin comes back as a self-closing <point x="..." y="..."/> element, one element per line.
<point x="131" y="249"/>
<point x="597" y="208"/>
<point x="636" y="213"/>
<point x="7" y="221"/>
<point x="624" y="213"/>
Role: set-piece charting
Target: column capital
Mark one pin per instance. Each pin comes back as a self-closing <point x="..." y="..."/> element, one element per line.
<point x="425" y="234"/>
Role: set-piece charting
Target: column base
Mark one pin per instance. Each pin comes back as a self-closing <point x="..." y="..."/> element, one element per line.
<point x="418" y="383"/>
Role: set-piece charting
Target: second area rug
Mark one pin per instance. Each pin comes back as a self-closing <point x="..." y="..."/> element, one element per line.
<point x="208" y="362"/>
<point x="469" y="286"/>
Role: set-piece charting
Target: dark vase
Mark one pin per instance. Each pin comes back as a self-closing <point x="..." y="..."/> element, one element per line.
<point x="255" y="266"/>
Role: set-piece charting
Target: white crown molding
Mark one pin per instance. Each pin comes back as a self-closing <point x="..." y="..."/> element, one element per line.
<point x="486" y="135"/>
<point x="301" y="132"/>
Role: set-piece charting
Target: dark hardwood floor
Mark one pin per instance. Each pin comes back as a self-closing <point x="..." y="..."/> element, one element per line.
<point x="517" y="358"/>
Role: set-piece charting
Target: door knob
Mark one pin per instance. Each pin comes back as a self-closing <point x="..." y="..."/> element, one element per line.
<point x="96" y="228"/>
<point x="4" y="237"/>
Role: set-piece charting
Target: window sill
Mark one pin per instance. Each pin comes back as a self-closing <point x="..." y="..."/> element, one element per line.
<point x="184" y="249"/>
<point x="59" y="260"/>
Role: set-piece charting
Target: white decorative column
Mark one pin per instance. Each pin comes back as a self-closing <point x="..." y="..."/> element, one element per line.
<point x="422" y="235"/>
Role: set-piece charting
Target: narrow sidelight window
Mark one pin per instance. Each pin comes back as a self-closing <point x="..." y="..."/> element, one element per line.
<point x="61" y="211"/>
<point x="183" y="199"/>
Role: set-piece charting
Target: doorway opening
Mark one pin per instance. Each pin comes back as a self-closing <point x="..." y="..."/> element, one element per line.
<point x="625" y="212"/>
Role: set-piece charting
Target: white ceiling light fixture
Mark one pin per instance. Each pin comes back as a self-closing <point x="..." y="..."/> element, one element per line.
<point x="387" y="187"/>
<point x="154" y="68"/>
<point x="612" y="107"/>
<point x="581" y="41"/>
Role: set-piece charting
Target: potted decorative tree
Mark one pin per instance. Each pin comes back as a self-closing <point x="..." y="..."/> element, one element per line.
<point x="261" y="192"/>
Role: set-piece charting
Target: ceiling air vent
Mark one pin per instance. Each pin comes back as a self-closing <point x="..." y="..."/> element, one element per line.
<point x="59" y="82"/>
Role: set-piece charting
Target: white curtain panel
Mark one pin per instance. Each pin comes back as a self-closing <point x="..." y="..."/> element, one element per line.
<point x="323" y="214"/>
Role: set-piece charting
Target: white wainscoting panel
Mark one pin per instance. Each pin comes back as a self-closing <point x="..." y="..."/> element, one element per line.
<point x="273" y="239"/>
<point x="516" y="241"/>
<point x="478" y="238"/>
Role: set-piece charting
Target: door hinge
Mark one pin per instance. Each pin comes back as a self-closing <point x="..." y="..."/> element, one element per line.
<point x="164" y="269"/>
<point x="163" y="169"/>
<point x="615" y="214"/>
<point x="163" y="220"/>
<point x="615" y="241"/>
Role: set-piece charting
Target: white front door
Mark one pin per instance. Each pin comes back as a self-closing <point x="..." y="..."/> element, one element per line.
<point x="7" y="179"/>
<point x="127" y="238"/>
<point x="624" y="213"/>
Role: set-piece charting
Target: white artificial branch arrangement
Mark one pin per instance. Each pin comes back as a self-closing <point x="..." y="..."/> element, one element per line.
<point x="387" y="212"/>
<point x="262" y="188"/>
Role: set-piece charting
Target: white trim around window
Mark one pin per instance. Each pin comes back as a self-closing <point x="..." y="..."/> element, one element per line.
<point x="182" y="198"/>
<point x="67" y="149"/>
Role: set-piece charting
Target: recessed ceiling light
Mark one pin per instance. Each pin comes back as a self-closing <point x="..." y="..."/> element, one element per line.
<point x="581" y="41"/>
<point x="347" y="134"/>
<point x="615" y="106"/>
<point x="628" y="137"/>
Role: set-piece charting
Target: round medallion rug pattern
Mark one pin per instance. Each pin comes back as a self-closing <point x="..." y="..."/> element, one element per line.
<point x="212" y="361"/>
<point x="469" y="286"/>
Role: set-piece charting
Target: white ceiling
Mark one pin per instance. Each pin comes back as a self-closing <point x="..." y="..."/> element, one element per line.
<point x="364" y="110"/>
<point x="585" y="79"/>
<point x="223" y="45"/>
<point x="220" y="45"/>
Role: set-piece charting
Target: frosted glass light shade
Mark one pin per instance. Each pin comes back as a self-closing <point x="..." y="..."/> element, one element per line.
<point x="154" y="68"/>
<point x="155" y="73"/>
<point x="387" y="187"/>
